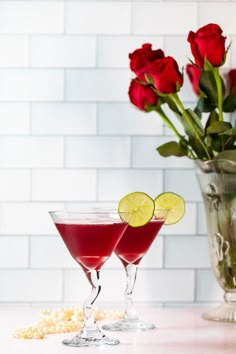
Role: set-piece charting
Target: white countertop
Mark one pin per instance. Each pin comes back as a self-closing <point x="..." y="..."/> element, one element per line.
<point x="180" y="331"/>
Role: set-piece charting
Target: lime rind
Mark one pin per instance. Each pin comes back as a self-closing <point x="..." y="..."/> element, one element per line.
<point x="136" y="208"/>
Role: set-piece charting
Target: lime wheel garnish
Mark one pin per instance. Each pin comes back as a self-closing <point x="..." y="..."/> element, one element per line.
<point x="174" y="203"/>
<point x="136" y="208"/>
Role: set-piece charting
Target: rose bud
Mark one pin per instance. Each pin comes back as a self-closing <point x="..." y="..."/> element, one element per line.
<point x="165" y="75"/>
<point x="142" y="58"/>
<point x="194" y="74"/>
<point x="141" y="95"/>
<point x="208" y="43"/>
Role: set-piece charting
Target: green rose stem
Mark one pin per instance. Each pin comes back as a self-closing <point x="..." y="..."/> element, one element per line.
<point x="172" y="127"/>
<point x="178" y="102"/>
<point x="168" y="122"/>
<point x="219" y="92"/>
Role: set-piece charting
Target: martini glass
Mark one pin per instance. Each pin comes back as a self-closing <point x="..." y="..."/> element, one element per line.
<point x="90" y="239"/>
<point x="131" y="248"/>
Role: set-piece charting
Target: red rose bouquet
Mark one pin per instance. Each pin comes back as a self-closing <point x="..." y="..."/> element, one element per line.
<point x="158" y="81"/>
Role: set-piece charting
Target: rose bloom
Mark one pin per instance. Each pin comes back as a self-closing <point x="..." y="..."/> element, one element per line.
<point x="165" y="75"/>
<point x="194" y="74"/>
<point x="141" y="95"/>
<point x="232" y="80"/>
<point x="208" y="43"/>
<point x="142" y="58"/>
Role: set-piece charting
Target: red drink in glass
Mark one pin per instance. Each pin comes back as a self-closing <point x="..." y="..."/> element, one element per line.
<point x="136" y="241"/>
<point x="91" y="244"/>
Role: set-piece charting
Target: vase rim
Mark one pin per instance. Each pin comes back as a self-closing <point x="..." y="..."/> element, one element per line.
<point x="217" y="165"/>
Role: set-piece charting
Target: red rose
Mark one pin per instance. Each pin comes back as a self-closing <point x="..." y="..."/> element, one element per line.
<point x="194" y="74"/>
<point x="232" y="80"/>
<point x="142" y="58"/>
<point x="141" y="95"/>
<point x="165" y="75"/>
<point x="208" y="43"/>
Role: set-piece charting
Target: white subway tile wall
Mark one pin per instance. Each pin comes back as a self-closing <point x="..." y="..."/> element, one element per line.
<point x="68" y="136"/>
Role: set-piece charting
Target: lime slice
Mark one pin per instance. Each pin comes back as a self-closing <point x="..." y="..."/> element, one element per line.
<point x="174" y="202"/>
<point x="136" y="208"/>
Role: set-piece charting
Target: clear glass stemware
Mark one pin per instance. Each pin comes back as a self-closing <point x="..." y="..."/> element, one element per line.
<point x="131" y="248"/>
<point x="90" y="239"/>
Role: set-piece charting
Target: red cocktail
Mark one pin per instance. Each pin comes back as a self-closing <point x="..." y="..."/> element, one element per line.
<point x="91" y="244"/>
<point x="90" y="239"/>
<point x="136" y="241"/>
<point x="131" y="248"/>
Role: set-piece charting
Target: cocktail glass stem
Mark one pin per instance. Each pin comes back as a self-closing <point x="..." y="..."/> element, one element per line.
<point x="131" y="274"/>
<point x="90" y="334"/>
<point x="89" y="321"/>
<point x="130" y="321"/>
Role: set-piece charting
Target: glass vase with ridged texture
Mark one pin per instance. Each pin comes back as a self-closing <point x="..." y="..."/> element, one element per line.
<point x="217" y="182"/>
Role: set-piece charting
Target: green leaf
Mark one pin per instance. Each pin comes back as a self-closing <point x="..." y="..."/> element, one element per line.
<point x="197" y="147"/>
<point x="187" y="128"/>
<point x="229" y="104"/>
<point x="207" y="85"/>
<point x="217" y="143"/>
<point x="230" y="132"/>
<point x="208" y="141"/>
<point x="218" y="127"/>
<point x="213" y="117"/>
<point x="221" y="138"/>
<point x="198" y="111"/>
<point x="204" y="105"/>
<point x="227" y="155"/>
<point x="196" y="121"/>
<point x="229" y="142"/>
<point x="172" y="148"/>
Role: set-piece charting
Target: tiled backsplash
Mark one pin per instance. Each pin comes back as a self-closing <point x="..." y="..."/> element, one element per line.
<point x="68" y="134"/>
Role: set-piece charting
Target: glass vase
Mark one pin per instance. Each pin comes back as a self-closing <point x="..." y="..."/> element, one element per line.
<point x="217" y="182"/>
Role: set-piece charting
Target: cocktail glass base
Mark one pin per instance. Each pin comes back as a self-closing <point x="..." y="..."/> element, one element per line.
<point x="226" y="312"/>
<point x="96" y="338"/>
<point x="129" y="325"/>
